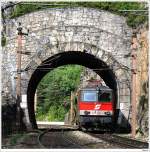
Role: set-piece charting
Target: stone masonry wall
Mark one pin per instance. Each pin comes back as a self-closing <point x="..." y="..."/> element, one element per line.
<point x="52" y="31"/>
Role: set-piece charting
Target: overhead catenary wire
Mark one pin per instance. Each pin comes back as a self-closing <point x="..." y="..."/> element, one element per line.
<point x="50" y="68"/>
<point x="53" y="3"/>
<point x="98" y="69"/>
<point x="116" y="55"/>
<point x="44" y="63"/>
<point x="43" y="3"/>
<point x="46" y="45"/>
<point x="125" y="10"/>
<point x="38" y="41"/>
<point x="63" y="4"/>
<point x="12" y="4"/>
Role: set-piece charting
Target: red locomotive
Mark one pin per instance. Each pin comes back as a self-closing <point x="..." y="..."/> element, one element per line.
<point x="96" y="106"/>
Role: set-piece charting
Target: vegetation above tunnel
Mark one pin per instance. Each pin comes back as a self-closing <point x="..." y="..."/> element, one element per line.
<point x="134" y="18"/>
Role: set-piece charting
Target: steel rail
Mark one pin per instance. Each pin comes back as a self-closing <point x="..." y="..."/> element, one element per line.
<point x="66" y="139"/>
<point x="121" y="141"/>
<point x="69" y="140"/>
<point x="137" y="142"/>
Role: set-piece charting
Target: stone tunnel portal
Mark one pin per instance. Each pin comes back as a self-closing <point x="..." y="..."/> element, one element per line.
<point x="64" y="58"/>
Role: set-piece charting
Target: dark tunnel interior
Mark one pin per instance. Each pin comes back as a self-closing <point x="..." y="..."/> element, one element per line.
<point x="64" y="58"/>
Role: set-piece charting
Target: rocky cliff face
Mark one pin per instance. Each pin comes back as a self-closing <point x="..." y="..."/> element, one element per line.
<point x="142" y="81"/>
<point x="87" y="75"/>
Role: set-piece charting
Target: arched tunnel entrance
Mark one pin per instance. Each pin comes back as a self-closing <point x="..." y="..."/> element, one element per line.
<point x="64" y="58"/>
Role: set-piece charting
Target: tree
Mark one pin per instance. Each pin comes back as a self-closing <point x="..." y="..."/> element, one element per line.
<point x="54" y="89"/>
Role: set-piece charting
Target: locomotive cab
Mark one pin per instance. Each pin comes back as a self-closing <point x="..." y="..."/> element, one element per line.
<point x="96" y="106"/>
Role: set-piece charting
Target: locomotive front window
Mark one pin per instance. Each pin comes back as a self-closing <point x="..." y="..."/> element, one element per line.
<point x="105" y="97"/>
<point x="89" y="96"/>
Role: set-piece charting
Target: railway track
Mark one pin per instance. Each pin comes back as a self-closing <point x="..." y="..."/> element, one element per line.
<point x="68" y="138"/>
<point x="57" y="139"/>
<point x="121" y="141"/>
<point x="61" y="137"/>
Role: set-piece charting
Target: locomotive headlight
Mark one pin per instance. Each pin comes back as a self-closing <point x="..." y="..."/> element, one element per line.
<point x="86" y="112"/>
<point x="107" y="113"/>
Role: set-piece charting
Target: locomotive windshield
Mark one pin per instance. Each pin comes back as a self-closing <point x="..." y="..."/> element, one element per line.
<point x="105" y="97"/>
<point x="89" y="96"/>
<point x="96" y="95"/>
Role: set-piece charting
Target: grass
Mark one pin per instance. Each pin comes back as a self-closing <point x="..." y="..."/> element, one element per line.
<point x="15" y="138"/>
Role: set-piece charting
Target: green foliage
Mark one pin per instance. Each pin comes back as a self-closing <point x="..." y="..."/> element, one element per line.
<point x="54" y="89"/>
<point x="15" y="138"/>
<point x="133" y="19"/>
<point x="3" y="41"/>
<point x="22" y="9"/>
